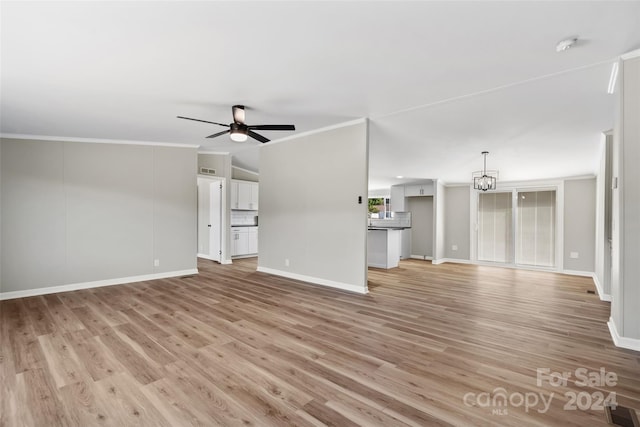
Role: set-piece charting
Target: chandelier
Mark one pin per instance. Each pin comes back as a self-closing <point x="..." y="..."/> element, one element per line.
<point x="485" y="179"/>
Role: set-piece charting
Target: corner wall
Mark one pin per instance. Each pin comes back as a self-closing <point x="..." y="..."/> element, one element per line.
<point x="625" y="268"/>
<point x="580" y="225"/>
<point x="456" y="221"/>
<point x="86" y="214"/>
<point x="312" y="227"/>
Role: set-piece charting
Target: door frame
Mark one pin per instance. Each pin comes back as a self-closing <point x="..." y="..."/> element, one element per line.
<point x="223" y="218"/>
<point x="514" y="187"/>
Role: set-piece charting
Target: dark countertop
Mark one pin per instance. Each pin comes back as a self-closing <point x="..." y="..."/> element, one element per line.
<point x="388" y="228"/>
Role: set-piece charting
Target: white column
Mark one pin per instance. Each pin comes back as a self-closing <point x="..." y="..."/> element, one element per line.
<point x="625" y="284"/>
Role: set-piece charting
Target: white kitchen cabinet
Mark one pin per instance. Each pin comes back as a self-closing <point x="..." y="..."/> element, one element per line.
<point x="244" y="241"/>
<point x="418" y="190"/>
<point x="253" y="240"/>
<point x="244" y="195"/>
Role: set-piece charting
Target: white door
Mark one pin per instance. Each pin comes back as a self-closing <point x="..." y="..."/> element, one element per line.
<point x="215" y="220"/>
<point x="203" y="217"/>
<point x="209" y="219"/>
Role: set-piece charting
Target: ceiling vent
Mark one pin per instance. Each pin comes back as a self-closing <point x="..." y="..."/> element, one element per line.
<point x="207" y="171"/>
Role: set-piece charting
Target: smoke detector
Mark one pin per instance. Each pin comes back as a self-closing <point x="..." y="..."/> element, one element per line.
<point x="566" y="44"/>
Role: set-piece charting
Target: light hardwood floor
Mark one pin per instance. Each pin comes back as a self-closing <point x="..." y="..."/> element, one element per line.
<point x="235" y="347"/>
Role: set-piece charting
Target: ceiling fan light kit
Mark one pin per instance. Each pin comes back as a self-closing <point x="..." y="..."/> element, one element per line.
<point x="239" y="131"/>
<point x="485" y="180"/>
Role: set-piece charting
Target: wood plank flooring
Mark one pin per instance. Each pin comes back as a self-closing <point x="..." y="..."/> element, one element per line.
<point x="430" y="345"/>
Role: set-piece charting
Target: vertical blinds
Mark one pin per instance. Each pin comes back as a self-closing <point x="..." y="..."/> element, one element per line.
<point x="495" y="227"/>
<point x="535" y="228"/>
<point x="536" y="219"/>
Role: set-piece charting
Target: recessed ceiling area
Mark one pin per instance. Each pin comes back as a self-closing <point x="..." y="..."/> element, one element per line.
<point x="440" y="81"/>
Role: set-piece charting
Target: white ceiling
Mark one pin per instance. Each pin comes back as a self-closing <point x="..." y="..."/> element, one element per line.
<point x="440" y="81"/>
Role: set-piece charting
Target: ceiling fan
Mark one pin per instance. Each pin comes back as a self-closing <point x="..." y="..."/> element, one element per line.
<point x="239" y="130"/>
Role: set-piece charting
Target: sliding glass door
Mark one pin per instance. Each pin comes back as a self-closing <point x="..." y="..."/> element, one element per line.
<point x="517" y="227"/>
<point x="495" y="227"/>
<point x="536" y="228"/>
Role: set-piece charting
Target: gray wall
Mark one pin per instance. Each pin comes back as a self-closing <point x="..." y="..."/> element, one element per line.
<point x="243" y="174"/>
<point x="421" y="208"/>
<point x="580" y="224"/>
<point x="83" y="212"/>
<point x="309" y="211"/>
<point x="220" y="162"/>
<point x="456" y="223"/>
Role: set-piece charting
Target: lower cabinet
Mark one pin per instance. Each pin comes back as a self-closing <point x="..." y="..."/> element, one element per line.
<point x="244" y="241"/>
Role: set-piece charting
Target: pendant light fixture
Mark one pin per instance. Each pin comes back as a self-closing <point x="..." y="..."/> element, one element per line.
<point x="485" y="179"/>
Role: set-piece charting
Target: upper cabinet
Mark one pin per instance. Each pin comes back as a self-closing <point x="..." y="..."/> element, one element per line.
<point x="418" y="190"/>
<point x="244" y="195"/>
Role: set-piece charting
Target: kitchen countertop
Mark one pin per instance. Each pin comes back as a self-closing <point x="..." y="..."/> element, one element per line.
<point x="388" y="228"/>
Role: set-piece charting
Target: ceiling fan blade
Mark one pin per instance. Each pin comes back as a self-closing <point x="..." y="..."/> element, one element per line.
<point x="203" y="121"/>
<point x="257" y="136"/>
<point x="219" y="133"/>
<point x="238" y="113"/>
<point x="273" y="127"/>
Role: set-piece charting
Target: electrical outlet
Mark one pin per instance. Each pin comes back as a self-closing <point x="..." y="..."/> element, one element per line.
<point x="454" y="247"/>
<point x="286" y="262"/>
<point x="156" y="263"/>
<point x="574" y="255"/>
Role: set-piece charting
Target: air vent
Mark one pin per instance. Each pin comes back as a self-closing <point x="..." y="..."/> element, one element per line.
<point x="207" y="171"/>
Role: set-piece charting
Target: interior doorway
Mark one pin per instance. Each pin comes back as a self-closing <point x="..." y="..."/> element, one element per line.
<point x="421" y="209"/>
<point x="210" y="218"/>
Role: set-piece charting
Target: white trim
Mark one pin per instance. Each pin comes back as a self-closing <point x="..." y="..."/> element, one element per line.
<point x="452" y="260"/>
<point x="596" y="282"/>
<point x="245" y="170"/>
<point x="577" y="273"/>
<point x="601" y="294"/>
<point x="210" y="258"/>
<point x="244" y="256"/>
<point x="375" y="265"/>
<point x="620" y="341"/>
<point x="94" y="140"/>
<point x="421" y="257"/>
<point x="315" y="280"/>
<point x="320" y="130"/>
<point x="526" y="184"/>
<point x="221" y="153"/>
<point x="226" y="262"/>
<point x="630" y="55"/>
<point x="94" y="284"/>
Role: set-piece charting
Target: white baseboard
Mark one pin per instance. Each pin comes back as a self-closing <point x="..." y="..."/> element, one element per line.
<point x="601" y="294"/>
<point x="315" y="280"/>
<point x="226" y="261"/>
<point x="244" y="256"/>
<point x="210" y="258"/>
<point x="452" y="260"/>
<point x="578" y="273"/>
<point x="624" y="342"/>
<point x="95" y="284"/>
<point x="374" y="265"/>
<point x="421" y="257"/>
